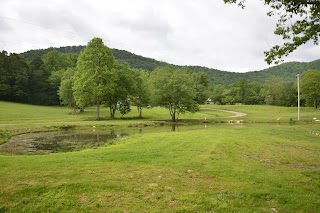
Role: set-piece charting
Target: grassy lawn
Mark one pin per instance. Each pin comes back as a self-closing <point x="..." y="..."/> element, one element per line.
<point x="271" y="114"/>
<point x="13" y="113"/>
<point x="223" y="168"/>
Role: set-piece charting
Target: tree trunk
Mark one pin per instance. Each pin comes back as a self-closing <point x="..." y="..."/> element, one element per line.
<point x="111" y="112"/>
<point x="75" y="109"/>
<point x="174" y="115"/>
<point x="98" y="109"/>
<point x="140" y="111"/>
<point x="113" y="108"/>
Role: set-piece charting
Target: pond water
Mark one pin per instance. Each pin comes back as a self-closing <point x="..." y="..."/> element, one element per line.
<point x="74" y="140"/>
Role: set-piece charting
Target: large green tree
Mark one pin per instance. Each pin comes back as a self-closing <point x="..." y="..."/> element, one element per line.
<point x="56" y="63"/>
<point x="242" y="91"/>
<point x="65" y="90"/>
<point x="201" y="83"/>
<point x="93" y="74"/>
<point x="142" y="90"/>
<point x="277" y="92"/>
<point x="216" y="93"/>
<point x="5" y="76"/>
<point x="298" y="23"/>
<point x="119" y="88"/>
<point x="310" y="87"/>
<point x="14" y="78"/>
<point x="174" y="90"/>
<point x="38" y="83"/>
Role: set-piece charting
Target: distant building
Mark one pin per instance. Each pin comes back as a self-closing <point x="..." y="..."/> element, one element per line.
<point x="208" y="101"/>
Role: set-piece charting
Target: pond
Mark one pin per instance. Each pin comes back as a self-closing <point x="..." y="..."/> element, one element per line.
<point x="75" y="140"/>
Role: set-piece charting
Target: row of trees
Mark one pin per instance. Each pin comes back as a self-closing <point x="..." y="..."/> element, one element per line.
<point x="274" y="91"/>
<point x="34" y="82"/>
<point x="98" y="79"/>
<point x="95" y="77"/>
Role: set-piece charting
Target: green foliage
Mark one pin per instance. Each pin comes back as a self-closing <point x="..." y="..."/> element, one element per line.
<point x="31" y="54"/>
<point x="277" y="92"/>
<point x="94" y="74"/>
<point x="201" y="82"/>
<point x="136" y="61"/>
<point x="120" y="87"/>
<point x="142" y="90"/>
<point x="38" y="83"/>
<point x="14" y="82"/>
<point x="243" y="92"/>
<point x="65" y="90"/>
<point x="55" y="61"/>
<point x="298" y="23"/>
<point x="124" y="107"/>
<point x="310" y="87"/>
<point x="56" y="64"/>
<point x="122" y="56"/>
<point x="286" y="71"/>
<point x="174" y="90"/>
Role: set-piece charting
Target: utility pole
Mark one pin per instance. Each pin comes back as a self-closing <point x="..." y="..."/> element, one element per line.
<point x="298" y="79"/>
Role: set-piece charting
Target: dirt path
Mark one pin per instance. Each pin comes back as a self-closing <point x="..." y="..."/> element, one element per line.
<point x="236" y="114"/>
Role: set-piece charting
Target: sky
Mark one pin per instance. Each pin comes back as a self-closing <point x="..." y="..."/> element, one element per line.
<point x="183" y="32"/>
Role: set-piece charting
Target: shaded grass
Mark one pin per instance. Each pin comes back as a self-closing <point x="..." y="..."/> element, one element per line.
<point x="251" y="168"/>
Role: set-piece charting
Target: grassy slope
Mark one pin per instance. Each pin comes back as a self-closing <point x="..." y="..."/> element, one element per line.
<point x="246" y="169"/>
<point x="227" y="168"/>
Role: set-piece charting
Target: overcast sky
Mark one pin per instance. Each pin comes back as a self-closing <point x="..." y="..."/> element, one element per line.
<point x="183" y="32"/>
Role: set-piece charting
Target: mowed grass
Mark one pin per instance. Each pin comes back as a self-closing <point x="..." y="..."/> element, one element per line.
<point x="224" y="168"/>
<point x="251" y="168"/>
<point x="271" y="114"/>
<point x="15" y="113"/>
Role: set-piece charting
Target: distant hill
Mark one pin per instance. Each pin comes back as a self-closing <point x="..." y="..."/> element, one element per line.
<point x="121" y="56"/>
<point x="286" y="71"/>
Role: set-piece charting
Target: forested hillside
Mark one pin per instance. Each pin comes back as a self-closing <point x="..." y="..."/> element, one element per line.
<point x="46" y="77"/>
<point x="121" y="56"/>
<point x="286" y="71"/>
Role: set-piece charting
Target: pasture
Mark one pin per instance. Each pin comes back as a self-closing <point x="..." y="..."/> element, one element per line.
<point x="265" y="164"/>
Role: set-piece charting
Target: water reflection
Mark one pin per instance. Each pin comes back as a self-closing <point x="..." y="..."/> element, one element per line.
<point x="68" y="140"/>
<point x="61" y="141"/>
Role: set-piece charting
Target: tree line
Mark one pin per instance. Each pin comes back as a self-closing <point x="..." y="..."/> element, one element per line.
<point x="285" y="71"/>
<point x="98" y="79"/>
<point x="94" y="77"/>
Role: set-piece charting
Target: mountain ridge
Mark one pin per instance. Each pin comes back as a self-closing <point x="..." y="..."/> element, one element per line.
<point x="287" y="71"/>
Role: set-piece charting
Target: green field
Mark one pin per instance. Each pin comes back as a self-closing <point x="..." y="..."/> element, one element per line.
<point x="264" y="165"/>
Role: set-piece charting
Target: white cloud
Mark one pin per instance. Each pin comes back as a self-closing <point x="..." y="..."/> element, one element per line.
<point x="206" y="33"/>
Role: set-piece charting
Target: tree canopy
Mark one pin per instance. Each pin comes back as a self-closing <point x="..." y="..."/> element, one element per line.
<point x="174" y="90"/>
<point x="93" y="73"/>
<point x="298" y="23"/>
<point x="310" y="87"/>
<point x="65" y="90"/>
